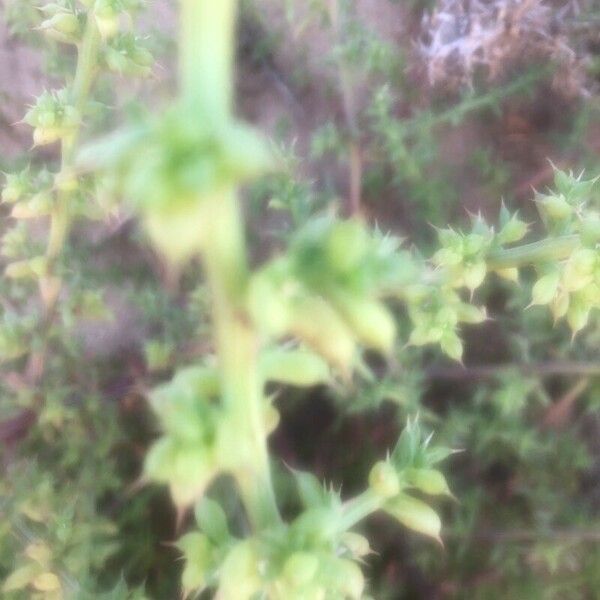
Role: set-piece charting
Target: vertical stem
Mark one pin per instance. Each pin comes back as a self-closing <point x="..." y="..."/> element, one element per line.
<point x="237" y="347"/>
<point x="87" y="58"/>
<point x="60" y="220"/>
<point x="207" y="56"/>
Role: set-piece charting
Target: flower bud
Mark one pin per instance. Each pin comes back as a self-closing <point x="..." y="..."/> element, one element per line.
<point x="514" y="231"/>
<point x="473" y="244"/>
<point x="384" y="480"/>
<point x="20" y="578"/>
<point x="473" y="275"/>
<point x="52" y="118"/>
<point x="14" y="242"/>
<point x="415" y="515"/>
<point x="452" y="345"/>
<point x="198" y="554"/>
<point x="577" y="315"/>
<point x="560" y="305"/>
<point x="556" y="208"/>
<point x="107" y="19"/>
<point x="300" y="568"/>
<point x="425" y="333"/>
<point x="46" y="582"/>
<point x="590" y="228"/>
<point x="351" y="579"/>
<point x="545" y="288"/>
<point x="37" y="206"/>
<point x="467" y="313"/>
<point x="124" y="55"/>
<point x="341" y="578"/>
<point x="267" y="302"/>
<point x="33" y="268"/>
<point x="177" y="231"/>
<point x="370" y="320"/>
<point x="187" y="469"/>
<point x="357" y="545"/>
<point x="66" y="181"/>
<point x="579" y="269"/>
<point x="239" y="574"/>
<point x="298" y="367"/>
<point x="17" y="185"/>
<point x="447" y="257"/>
<point x="43" y="136"/>
<point x="346" y="245"/>
<point x="429" y="481"/>
<point x="39" y="552"/>
<point x="63" y="27"/>
<point x="315" y="322"/>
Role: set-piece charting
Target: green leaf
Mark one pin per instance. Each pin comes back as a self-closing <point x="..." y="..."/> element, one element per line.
<point x="415" y="515"/>
<point x="212" y="520"/>
<point x="298" y="367"/>
<point x="428" y="481"/>
<point x="21" y="577"/>
<point x="312" y="493"/>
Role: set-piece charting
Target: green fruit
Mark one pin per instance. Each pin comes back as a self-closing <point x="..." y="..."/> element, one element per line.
<point x="346" y="245"/>
<point x="429" y="481"/>
<point x="556" y="208"/>
<point x="239" y="574"/>
<point x="474" y="275"/>
<point x="198" y="554"/>
<point x="590" y="228"/>
<point x="370" y="320"/>
<point x="545" y="288"/>
<point x="316" y="323"/>
<point x="267" y="303"/>
<point x="300" y="568"/>
<point x="579" y="269"/>
<point x="514" y="231"/>
<point x="415" y="515"/>
<point x="357" y="545"/>
<point x="298" y="367"/>
<point x="384" y="480"/>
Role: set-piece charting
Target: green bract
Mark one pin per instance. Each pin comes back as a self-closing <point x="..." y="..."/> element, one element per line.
<point x="339" y="301"/>
<point x="172" y="167"/>
<point x="125" y="54"/>
<point x="187" y="456"/>
<point x="53" y="118"/>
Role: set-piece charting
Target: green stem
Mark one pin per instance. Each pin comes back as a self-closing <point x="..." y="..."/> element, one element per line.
<point x="359" y="508"/>
<point x="87" y="61"/>
<point x="207" y="56"/>
<point x="237" y="348"/>
<point x="551" y="249"/>
<point x="60" y="218"/>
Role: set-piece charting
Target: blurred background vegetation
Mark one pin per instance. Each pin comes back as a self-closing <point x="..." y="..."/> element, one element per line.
<point x="417" y="112"/>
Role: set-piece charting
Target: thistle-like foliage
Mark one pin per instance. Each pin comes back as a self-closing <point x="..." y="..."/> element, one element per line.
<point x="35" y="329"/>
<point x="306" y="316"/>
<point x="303" y="318"/>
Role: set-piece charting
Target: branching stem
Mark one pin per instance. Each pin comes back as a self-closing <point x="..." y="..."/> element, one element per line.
<point x="60" y="217"/>
<point x="547" y="250"/>
<point x="207" y="52"/>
